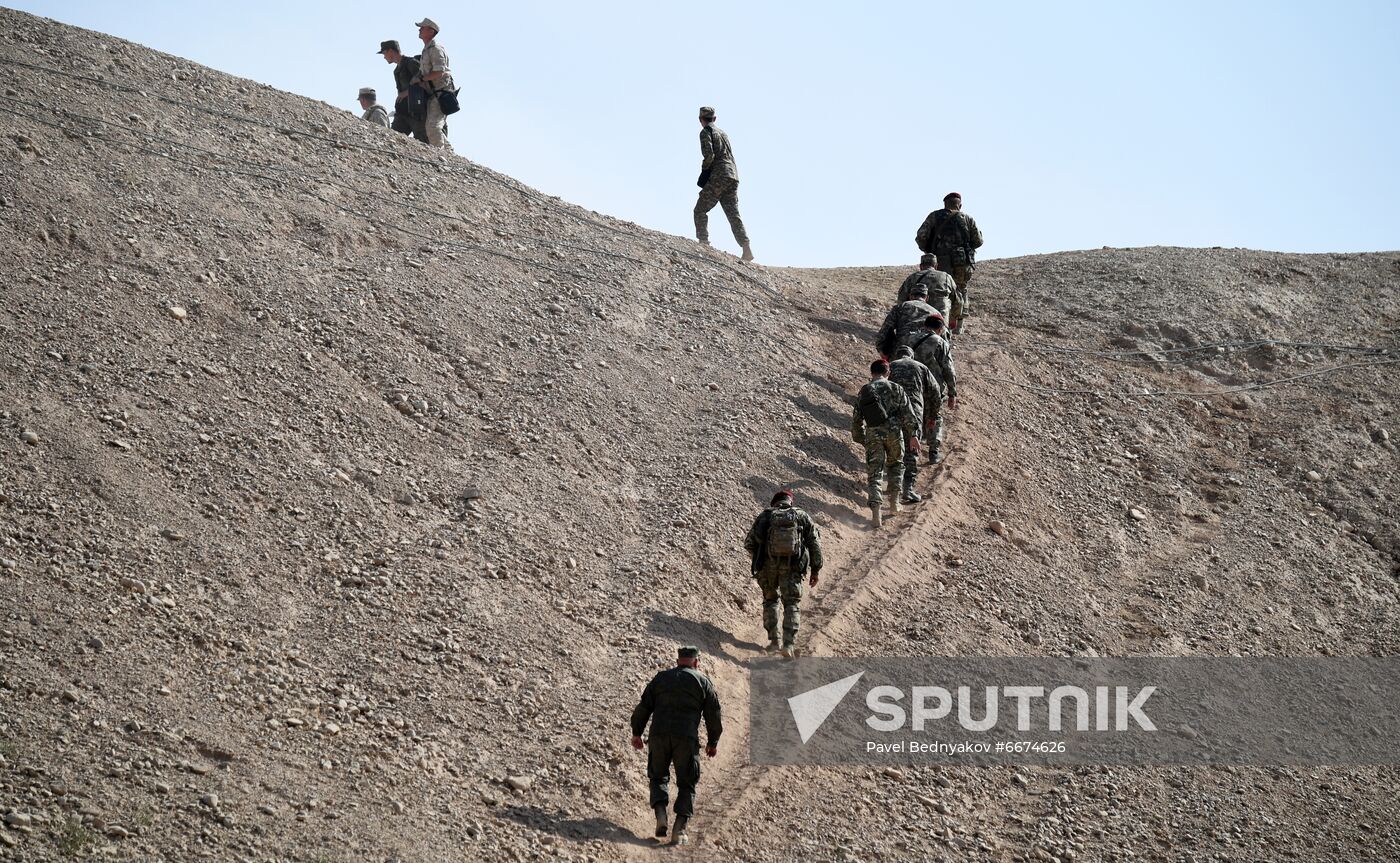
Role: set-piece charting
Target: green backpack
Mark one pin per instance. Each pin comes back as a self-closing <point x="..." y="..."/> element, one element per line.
<point x="784" y="533"/>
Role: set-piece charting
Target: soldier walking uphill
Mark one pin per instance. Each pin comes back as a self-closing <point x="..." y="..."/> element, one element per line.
<point x="940" y="285"/>
<point x="905" y="321"/>
<point x="925" y="402"/>
<point x="954" y="237"/>
<point x="782" y="544"/>
<point x="719" y="183"/>
<point x="931" y="349"/>
<point x="674" y="701"/>
<point x="411" y="103"/>
<point x="373" y="111"/>
<point x="882" y="421"/>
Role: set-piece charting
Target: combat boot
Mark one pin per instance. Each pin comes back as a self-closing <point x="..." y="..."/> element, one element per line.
<point x="679" y="836"/>
<point x="911" y="497"/>
<point x="877" y="518"/>
<point x="661" y="822"/>
<point x="894" y="504"/>
<point x="772" y="645"/>
<point x="788" y="651"/>
<point x="934" y="456"/>
<point x="748" y="253"/>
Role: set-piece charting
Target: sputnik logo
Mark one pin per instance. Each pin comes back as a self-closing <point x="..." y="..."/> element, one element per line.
<point x="811" y="708"/>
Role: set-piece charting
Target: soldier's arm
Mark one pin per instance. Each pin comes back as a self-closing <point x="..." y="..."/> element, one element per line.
<point x="950" y="374"/>
<point x="857" y="424"/>
<point x="887" y="329"/>
<point x="906" y="411"/>
<point x="714" y="726"/>
<point x="707" y="149"/>
<point x="924" y="237"/>
<point x="974" y="233"/>
<point x="933" y="401"/>
<point x="642" y="714"/>
<point x="811" y="537"/>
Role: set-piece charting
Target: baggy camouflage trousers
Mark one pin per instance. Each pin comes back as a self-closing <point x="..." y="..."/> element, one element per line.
<point x="777" y="581"/>
<point x="911" y="458"/>
<point x="961" y="276"/>
<point x="725" y="192"/>
<point x="884" y="457"/>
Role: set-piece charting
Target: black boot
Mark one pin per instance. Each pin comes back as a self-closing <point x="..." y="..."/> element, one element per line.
<point x="934" y="456"/>
<point x="678" y="836"/>
<point x="661" y="822"/>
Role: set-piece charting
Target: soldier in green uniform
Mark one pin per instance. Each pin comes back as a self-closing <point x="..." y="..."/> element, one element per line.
<point x="940" y="285"/>
<point x="373" y="111"/>
<point x="936" y="353"/>
<point x="782" y="544"/>
<point x="954" y="237"/>
<point x="882" y="421"/>
<point x="904" y="323"/>
<point x="674" y="701"/>
<point x="926" y="403"/>
<point x="719" y="183"/>
<point x="405" y="71"/>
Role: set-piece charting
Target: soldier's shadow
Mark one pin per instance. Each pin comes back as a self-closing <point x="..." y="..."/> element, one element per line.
<point x="810" y="477"/>
<point x="562" y="825"/>
<point x="841" y="327"/>
<point x="827" y="416"/>
<point x="702" y="634"/>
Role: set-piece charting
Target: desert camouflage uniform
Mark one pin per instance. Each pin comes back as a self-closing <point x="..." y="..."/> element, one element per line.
<point x="722" y="187"/>
<point x="903" y="324"/>
<point x="925" y="403"/>
<point x="884" y="444"/>
<point x="434" y="59"/>
<point x="940" y="235"/>
<point x="934" y="352"/>
<point x="941" y="288"/>
<point x="376" y="115"/>
<point x="780" y="577"/>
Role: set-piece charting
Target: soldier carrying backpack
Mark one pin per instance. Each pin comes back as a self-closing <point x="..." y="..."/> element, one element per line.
<point x="783" y="544"/>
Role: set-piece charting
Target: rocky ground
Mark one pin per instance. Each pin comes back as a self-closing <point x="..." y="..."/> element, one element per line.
<point x="349" y="492"/>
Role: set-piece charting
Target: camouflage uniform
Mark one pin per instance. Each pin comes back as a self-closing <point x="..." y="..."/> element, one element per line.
<point x="902" y="325"/>
<point x="936" y="353"/>
<point x="943" y="233"/>
<point x="941" y="288"/>
<point x="884" y="444"/>
<point x="434" y="59"/>
<point x="376" y="115"/>
<point x="722" y="187"/>
<point x="782" y="577"/>
<point x="925" y="402"/>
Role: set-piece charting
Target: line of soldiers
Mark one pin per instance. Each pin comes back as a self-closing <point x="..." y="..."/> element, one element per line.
<point x="897" y="414"/>
<point x="426" y="94"/>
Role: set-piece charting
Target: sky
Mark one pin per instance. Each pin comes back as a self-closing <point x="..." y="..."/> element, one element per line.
<point x="1069" y="125"/>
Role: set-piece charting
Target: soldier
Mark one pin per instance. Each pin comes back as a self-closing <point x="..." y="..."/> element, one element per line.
<point x="405" y="71"/>
<point x="936" y="353"/>
<point x="674" y="701"/>
<point x="435" y="76"/>
<point x="782" y="544"/>
<point x="954" y="237"/>
<point x="903" y="323"/>
<point x="882" y="421"/>
<point x="373" y="111"/>
<point x="925" y="402"/>
<point x="941" y="286"/>
<point x="719" y="183"/>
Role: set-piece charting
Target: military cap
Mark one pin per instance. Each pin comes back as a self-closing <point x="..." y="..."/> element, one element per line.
<point x="951" y="195"/>
<point x="934" y="320"/>
<point x="688" y="651"/>
<point x="389" y="45"/>
<point x="919" y="290"/>
<point x="928" y="260"/>
<point x="367" y="93"/>
<point x="430" y="24"/>
<point x="782" y="493"/>
<point x="903" y="351"/>
<point x="706" y="112"/>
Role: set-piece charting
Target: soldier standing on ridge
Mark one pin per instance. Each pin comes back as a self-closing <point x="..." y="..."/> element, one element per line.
<point x="936" y="353"/>
<point x="926" y="403"/>
<point x="882" y="421"/>
<point x="405" y="70"/>
<point x="373" y="111"/>
<point x="674" y="701"/>
<point x="782" y="544"/>
<point x="902" y="325"/>
<point x="435" y="76"/>
<point x="954" y="237"/>
<point x="941" y="286"/>
<point x="719" y="183"/>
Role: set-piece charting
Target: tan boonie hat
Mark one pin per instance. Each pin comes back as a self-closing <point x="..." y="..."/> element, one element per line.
<point x="707" y="113"/>
<point x="429" y="23"/>
<point x="367" y="93"/>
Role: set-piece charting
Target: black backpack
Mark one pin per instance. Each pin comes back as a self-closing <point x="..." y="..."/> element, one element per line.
<point x="872" y="410"/>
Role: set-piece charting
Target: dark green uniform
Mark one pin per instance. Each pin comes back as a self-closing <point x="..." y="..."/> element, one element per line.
<point x="940" y="285"/>
<point x="674" y="701"/>
<point x="935" y="352"/>
<point x="884" y="442"/>
<point x="782" y="577"/>
<point x="954" y="237"/>
<point x="902" y="326"/>
<point x="925" y="402"/>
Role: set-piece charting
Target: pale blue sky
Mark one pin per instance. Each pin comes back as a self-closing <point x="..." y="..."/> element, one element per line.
<point x="1065" y="125"/>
